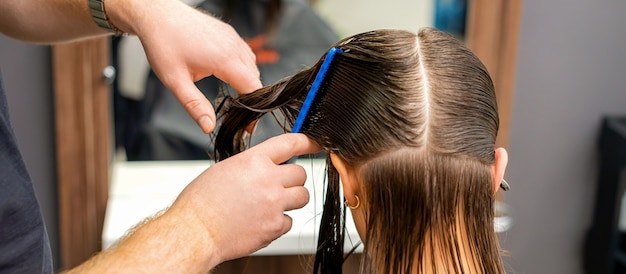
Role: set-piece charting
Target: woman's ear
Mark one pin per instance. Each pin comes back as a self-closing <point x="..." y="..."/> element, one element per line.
<point x="499" y="167"/>
<point x="348" y="178"/>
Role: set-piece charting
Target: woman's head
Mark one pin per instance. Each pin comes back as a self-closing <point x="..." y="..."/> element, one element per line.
<point x="410" y="123"/>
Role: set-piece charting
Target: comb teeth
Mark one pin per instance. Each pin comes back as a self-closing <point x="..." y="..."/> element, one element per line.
<point x="310" y="97"/>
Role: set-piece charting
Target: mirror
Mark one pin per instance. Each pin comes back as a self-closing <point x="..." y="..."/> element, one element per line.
<point x="150" y="124"/>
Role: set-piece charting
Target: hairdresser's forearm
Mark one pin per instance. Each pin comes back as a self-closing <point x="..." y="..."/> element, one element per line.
<point x="171" y="243"/>
<point x="49" y="21"/>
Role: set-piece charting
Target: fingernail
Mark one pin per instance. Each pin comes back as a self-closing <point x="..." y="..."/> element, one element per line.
<point x="206" y="124"/>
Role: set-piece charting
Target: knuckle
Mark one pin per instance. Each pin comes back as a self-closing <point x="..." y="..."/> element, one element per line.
<point x="273" y="198"/>
<point x="192" y="105"/>
<point x="305" y="197"/>
<point x="274" y="227"/>
<point x="290" y="141"/>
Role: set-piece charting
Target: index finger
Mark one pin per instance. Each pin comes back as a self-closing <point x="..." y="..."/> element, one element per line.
<point x="195" y="103"/>
<point x="244" y="77"/>
<point x="283" y="147"/>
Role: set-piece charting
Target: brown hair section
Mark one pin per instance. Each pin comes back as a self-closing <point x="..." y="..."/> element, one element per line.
<point x="417" y="116"/>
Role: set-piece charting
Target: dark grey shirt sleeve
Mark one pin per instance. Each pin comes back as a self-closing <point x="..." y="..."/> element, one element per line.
<point x="24" y="245"/>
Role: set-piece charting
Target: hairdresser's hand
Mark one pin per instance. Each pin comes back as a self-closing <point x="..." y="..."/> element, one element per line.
<point x="240" y="202"/>
<point x="185" y="45"/>
<point x="232" y="209"/>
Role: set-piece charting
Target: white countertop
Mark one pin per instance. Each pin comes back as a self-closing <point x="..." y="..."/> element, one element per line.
<point x="140" y="189"/>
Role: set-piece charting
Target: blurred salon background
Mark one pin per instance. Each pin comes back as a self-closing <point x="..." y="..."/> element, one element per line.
<point x="563" y="71"/>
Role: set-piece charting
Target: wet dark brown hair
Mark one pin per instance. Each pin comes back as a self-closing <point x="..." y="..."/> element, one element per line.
<point x="416" y="116"/>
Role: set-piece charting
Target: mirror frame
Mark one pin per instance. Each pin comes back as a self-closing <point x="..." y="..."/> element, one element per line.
<point x="83" y="124"/>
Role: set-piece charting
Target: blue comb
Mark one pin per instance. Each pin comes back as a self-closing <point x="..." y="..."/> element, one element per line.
<point x="310" y="97"/>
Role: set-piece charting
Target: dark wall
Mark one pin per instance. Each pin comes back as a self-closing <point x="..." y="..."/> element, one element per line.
<point x="27" y="79"/>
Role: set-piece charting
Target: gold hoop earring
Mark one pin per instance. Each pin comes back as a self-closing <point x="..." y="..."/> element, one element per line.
<point x="358" y="203"/>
